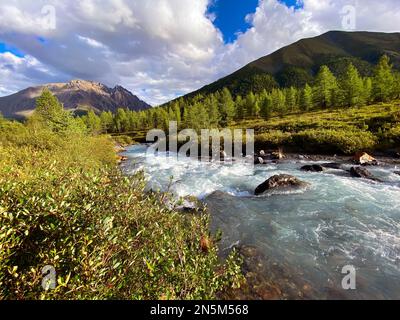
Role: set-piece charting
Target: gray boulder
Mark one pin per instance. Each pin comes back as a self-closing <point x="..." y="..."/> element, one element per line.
<point x="279" y="182"/>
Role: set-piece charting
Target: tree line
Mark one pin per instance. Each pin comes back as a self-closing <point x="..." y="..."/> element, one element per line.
<point x="220" y="109"/>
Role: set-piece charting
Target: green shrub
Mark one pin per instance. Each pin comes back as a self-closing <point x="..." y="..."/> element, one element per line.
<point x="273" y="138"/>
<point x="68" y="206"/>
<point x="123" y="140"/>
<point x="333" y="141"/>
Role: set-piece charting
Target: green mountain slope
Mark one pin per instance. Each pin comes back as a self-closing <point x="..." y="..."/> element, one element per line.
<point x="295" y="64"/>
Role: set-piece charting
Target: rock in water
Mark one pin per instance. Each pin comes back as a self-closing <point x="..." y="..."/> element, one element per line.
<point x="359" y="172"/>
<point x="332" y="165"/>
<point x="364" y="158"/>
<point x="279" y="181"/>
<point x="313" y="168"/>
<point x="397" y="172"/>
<point x="258" y="160"/>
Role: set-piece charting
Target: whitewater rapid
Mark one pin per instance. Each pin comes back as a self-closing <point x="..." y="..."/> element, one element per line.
<point x="314" y="232"/>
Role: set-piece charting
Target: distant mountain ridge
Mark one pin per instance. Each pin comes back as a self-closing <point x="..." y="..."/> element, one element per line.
<point x="75" y="95"/>
<point x="296" y="64"/>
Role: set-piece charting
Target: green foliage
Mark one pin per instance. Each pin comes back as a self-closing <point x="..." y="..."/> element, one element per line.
<point x="353" y="87"/>
<point x="50" y="114"/>
<point x="306" y="100"/>
<point x="383" y="82"/>
<point x="325" y="86"/>
<point x="342" y="141"/>
<point x="105" y="237"/>
<point x="64" y="203"/>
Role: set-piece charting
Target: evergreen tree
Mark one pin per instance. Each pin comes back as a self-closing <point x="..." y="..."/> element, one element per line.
<point x="50" y="112"/>
<point x="324" y="89"/>
<point x="367" y="90"/>
<point x="396" y="93"/>
<point x="306" y="100"/>
<point x="227" y="107"/>
<point x="93" y="122"/>
<point x="121" y="121"/>
<point x="106" y="120"/>
<point x="250" y="104"/>
<point x="383" y="83"/>
<point x="278" y="101"/>
<point x="240" y="108"/>
<point x="291" y="98"/>
<point x="353" y="87"/>
<point x="213" y="112"/>
<point x="266" y="106"/>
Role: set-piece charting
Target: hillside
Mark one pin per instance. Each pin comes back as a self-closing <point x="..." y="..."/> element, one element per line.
<point x="76" y="95"/>
<point x="297" y="63"/>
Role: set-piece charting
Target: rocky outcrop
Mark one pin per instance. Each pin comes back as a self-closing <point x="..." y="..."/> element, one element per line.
<point x="359" y="172"/>
<point x="364" y="159"/>
<point x="313" y="168"/>
<point x="279" y="182"/>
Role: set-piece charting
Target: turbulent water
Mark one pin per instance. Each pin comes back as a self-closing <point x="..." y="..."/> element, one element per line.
<point x="305" y="236"/>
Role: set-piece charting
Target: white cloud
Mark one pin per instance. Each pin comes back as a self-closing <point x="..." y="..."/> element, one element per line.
<point x="158" y="48"/>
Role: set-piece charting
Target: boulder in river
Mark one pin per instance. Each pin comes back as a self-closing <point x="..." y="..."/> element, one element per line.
<point x="278" y="182"/>
<point x="397" y="172"/>
<point x="258" y="160"/>
<point x="359" y="172"/>
<point x="364" y="159"/>
<point x="313" y="168"/>
<point x="332" y="165"/>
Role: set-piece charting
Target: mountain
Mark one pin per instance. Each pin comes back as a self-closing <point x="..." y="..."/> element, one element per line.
<point x="76" y="95"/>
<point x="297" y="63"/>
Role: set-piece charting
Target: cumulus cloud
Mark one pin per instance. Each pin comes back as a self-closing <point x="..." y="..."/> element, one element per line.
<point x="159" y="49"/>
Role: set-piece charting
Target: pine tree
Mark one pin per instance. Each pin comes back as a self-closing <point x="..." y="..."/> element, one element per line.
<point x="306" y="100"/>
<point x="353" y="87"/>
<point x="250" y="104"/>
<point x="93" y="122"/>
<point x="227" y="107"/>
<point x="106" y="120"/>
<point x="367" y="90"/>
<point x="396" y="93"/>
<point x="240" y="108"/>
<point x="291" y="98"/>
<point x="50" y="112"/>
<point x="383" y="82"/>
<point x="213" y="112"/>
<point x="121" y="120"/>
<point x="266" y="107"/>
<point x="324" y="88"/>
<point x="278" y="101"/>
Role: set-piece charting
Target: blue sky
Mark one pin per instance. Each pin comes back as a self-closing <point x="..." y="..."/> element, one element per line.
<point x="230" y="15"/>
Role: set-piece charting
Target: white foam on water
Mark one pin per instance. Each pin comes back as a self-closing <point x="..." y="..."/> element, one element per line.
<point x="338" y="216"/>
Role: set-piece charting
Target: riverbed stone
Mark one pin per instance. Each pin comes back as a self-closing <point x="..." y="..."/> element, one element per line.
<point x="278" y="182"/>
<point x="359" y="172"/>
<point x="365" y="159"/>
<point x="313" y="168"/>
